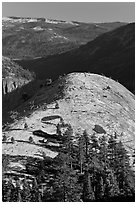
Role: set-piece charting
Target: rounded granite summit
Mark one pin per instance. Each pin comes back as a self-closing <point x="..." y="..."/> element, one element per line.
<point x="98" y="100"/>
<point x="86" y="101"/>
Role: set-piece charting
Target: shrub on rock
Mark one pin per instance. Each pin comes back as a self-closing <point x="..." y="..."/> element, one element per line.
<point x="12" y="139"/>
<point x="25" y="126"/>
<point x="4" y="138"/>
<point x="57" y="106"/>
<point x="31" y="139"/>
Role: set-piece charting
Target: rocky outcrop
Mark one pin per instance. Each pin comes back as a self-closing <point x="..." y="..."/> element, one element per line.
<point x="13" y="76"/>
<point x="86" y="101"/>
<point x="9" y="84"/>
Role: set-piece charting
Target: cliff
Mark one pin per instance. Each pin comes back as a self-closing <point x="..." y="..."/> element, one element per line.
<point x="13" y="76"/>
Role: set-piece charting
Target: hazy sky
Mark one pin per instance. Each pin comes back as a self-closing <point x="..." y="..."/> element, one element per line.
<point x="79" y="11"/>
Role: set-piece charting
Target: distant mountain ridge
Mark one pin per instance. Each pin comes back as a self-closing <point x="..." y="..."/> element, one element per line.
<point x="28" y="38"/>
<point x="111" y="54"/>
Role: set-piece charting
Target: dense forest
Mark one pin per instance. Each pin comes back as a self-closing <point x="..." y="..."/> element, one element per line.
<point x="92" y="169"/>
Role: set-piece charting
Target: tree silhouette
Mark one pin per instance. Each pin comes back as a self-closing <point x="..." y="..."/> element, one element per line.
<point x="58" y="131"/>
<point x="7" y="189"/>
<point x="66" y="187"/>
<point x="111" y="185"/>
<point x="31" y="139"/>
<point x="57" y="105"/>
<point x="18" y="184"/>
<point x="68" y="144"/>
<point x="81" y="153"/>
<point x="25" y="126"/>
<point x="35" y="195"/>
<point x="4" y="138"/>
<point x="123" y="169"/>
<point x="26" y="195"/>
<point x="119" y="162"/>
<point x="12" y="140"/>
<point x="103" y="152"/>
<point x="86" y="150"/>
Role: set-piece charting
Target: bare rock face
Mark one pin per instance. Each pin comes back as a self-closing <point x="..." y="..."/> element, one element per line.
<point x="85" y="101"/>
<point x="10" y="84"/>
<point x="101" y="106"/>
<point x="97" y="100"/>
<point x="13" y="75"/>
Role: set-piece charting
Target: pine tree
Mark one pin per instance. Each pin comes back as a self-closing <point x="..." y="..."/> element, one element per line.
<point x="31" y="139"/>
<point x="26" y="195"/>
<point x="111" y="185"/>
<point x="8" y="191"/>
<point x="93" y="150"/>
<point x="25" y="126"/>
<point x="94" y="142"/>
<point x="85" y="136"/>
<point x="35" y="195"/>
<point x="19" y="198"/>
<point x="88" y="193"/>
<point x="94" y="165"/>
<point x="86" y="159"/>
<point x="123" y="169"/>
<point x="57" y="105"/>
<point x="68" y="144"/>
<point x="103" y="152"/>
<point x="112" y="152"/>
<point x="81" y="153"/>
<point x="66" y="187"/>
<point x="101" y="189"/>
<point x="58" y="131"/>
<point x="4" y="138"/>
<point x="83" y="150"/>
<point x="119" y="162"/>
<point x="104" y="168"/>
<point x="12" y="140"/>
<point x="61" y="179"/>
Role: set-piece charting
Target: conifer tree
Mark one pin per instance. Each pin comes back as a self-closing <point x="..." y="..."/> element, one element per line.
<point x="57" y="105"/>
<point x="25" y="125"/>
<point x="19" y="198"/>
<point x="58" y="131"/>
<point x="111" y="185"/>
<point x="103" y="152"/>
<point x="104" y="168"/>
<point x="31" y="139"/>
<point x="68" y="144"/>
<point x="35" y="195"/>
<point x="112" y="152"/>
<point x="102" y="188"/>
<point x="4" y="138"/>
<point x="85" y="136"/>
<point x="66" y="187"/>
<point x="81" y="153"/>
<point x="123" y="169"/>
<point x="88" y="193"/>
<point x="94" y="165"/>
<point x="26" y="196"/>
<point x="12" y="140"/>
<point x="119" y="162"/>
<point x="9" y="191"/>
